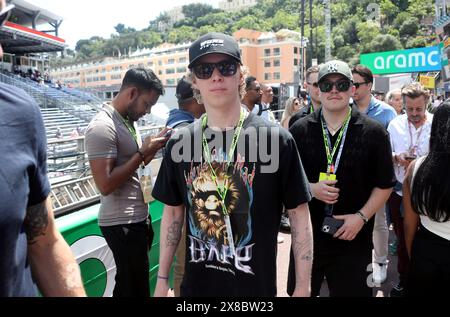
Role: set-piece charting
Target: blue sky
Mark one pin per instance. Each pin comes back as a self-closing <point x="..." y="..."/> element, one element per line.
<point x="86" y="18"/>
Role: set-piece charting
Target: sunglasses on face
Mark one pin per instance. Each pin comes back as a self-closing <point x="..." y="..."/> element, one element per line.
<point x="341" y="85"/>
<point x="225" y="68"/>
<point x="5" y="14"/>
<point x="357" y="85"/>
<point x="315" y="85"/>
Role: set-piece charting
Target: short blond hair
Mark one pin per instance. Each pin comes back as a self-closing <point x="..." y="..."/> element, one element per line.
<point x="244" y="71"/>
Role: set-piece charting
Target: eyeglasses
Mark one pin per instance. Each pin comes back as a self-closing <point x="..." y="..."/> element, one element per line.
<point x="341" y="85"/>
<point x="357" y="85"/>
<point x="205" y="70"/>
<point x="5" y="14"/>
<point x="315" y="85"/>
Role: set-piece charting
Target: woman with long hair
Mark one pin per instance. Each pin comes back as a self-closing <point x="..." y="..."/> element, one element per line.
<point x="291" y="106"/>
<point x="426" y="198"/>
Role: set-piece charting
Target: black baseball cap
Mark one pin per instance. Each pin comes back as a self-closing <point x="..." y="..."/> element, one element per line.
<point x="184" y="90"/>
<point x="213" y="43"/>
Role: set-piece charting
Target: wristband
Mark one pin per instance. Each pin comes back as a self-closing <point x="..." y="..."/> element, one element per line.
<point x="361" y="215"/>
<point x="163" y="277"/>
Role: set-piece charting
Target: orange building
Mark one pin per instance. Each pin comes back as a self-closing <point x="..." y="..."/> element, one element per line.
<point x="271" y="57"/>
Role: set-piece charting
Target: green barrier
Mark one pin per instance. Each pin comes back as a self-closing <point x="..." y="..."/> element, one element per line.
<point x="80" y="230"/>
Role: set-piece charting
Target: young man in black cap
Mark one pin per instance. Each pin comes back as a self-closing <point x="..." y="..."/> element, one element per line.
<point x="189" y="110"/>
<point x="347" y="159"/>
<point x="217" y="176"/>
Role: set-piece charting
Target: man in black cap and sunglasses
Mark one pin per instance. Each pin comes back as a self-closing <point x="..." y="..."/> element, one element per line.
<point x="32" y="251"/>
<point x="216" y="176"/>
<point x="347" y="159"/>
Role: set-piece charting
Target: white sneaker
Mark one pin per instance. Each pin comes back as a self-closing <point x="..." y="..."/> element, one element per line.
<point x="379" y="273"/>
<point x="280" y="239"/>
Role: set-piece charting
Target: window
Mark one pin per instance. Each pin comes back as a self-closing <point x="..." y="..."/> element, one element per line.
<point x="182" y="60"/>
<point x="159" y="72"/>
<point x="295" y="50"/>
<point x="150" y="64"/>
<point x="116" y="76"/>
<point x="171" y="61"/>
<point x="170" y="71"/>
<point x="267" y="52"/>
<point x="181" y="69"/>
<point x="276" y="63"/>
<point x="276" y="51"/>
<point x="266" y="63"/>
<point x="267" y="76"/>
<point x="170" y="81"/>
<point x="159" y="62"/>
<point x="295" y="62"/>
<point x="276" y="75"/>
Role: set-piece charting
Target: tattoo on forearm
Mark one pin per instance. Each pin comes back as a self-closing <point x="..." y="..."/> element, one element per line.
<point x="36" y="222"/>
<point x="173" y="234"/>
<point x="302" y="248"/>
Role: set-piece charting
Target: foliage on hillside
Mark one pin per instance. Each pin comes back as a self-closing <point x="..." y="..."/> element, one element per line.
<point x="355" y="28"/>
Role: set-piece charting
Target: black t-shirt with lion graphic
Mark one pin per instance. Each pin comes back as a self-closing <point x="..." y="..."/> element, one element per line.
<point x="265" y="174"/>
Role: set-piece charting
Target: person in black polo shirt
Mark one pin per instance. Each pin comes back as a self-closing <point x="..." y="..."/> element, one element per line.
<point x="347" y="159"/>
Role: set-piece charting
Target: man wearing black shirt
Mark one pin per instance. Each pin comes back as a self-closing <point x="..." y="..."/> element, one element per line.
<point x="215" y="174"/>
<point x="350" y="181"/>
<point x="312" y="87"/>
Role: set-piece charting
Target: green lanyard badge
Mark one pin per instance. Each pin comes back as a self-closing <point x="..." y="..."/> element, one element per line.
<point x="332" y="168"/>
<point x="222" y="190"/>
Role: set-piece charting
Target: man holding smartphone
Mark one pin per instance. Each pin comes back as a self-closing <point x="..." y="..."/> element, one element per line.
<point x="117" y="156"/>
<point x="410" y="136"/>
<point x="347" y="159"/>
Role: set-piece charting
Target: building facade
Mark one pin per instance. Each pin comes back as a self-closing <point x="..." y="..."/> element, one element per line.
<point x="235" y="5"/>
<point x="271" y="58"/>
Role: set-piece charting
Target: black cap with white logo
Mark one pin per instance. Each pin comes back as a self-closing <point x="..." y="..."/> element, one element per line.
<point x="214" y="43"/>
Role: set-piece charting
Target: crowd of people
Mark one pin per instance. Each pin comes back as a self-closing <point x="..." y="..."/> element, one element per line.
<point x="342" y="167"/>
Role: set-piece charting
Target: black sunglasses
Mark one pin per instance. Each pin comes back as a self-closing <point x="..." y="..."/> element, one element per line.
<point x="6" y="13"/>
<point x="357" y="85"/>
<point x="341" y="85"/>
<point x="225" y="68"/>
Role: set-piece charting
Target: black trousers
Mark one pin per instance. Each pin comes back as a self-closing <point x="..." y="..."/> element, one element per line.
<point x="348" y="273"/>
<point x="429" y="273"/>
<point x="130" y="244"/>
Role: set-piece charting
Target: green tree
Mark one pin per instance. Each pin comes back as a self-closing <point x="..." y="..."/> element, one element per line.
<point x="409" y="27"/>
<point x="197" y="10"/>
<point x="384" y="42"/>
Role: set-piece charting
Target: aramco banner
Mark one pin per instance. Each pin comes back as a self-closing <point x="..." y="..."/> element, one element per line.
<point x="415" y="60"/>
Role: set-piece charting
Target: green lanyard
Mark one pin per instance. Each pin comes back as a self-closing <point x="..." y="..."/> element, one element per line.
<point x="311" y="110"/>
<point x="331" y="168"/>
<point x="222" y="190"/>
<point x="130" y="128"/>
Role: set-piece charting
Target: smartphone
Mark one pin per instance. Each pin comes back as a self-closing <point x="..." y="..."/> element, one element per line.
<point x="331" y="225"/>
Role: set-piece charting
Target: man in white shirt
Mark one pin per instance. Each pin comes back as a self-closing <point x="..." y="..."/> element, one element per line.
<point x="266" y="99"/>
<point x="410" y="136"/>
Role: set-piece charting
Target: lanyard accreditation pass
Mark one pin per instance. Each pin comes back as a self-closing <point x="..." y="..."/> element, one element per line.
<point x="222" y="189"/>
<point x="332" y="167"/>
<point x="144" y="172"/>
